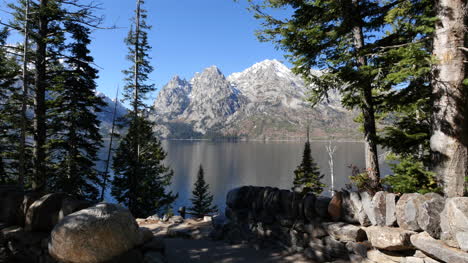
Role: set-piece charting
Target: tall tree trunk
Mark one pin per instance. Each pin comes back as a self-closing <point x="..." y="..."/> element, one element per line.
<point x="372" y="159"/>
<point x="24" y="120"/>
<point x="449" y="132"/>
<point x="39" y="100"/>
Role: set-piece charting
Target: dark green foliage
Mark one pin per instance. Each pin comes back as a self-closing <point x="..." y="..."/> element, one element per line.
<point x="135" y="89"/>
<point x="9" y="72"/>
<point x="307" y="175"/>
<point x="410" y="176"/>
<point x="75" y="139"/>
<point x="201" y="198"/>
<point x="141" y="178"/>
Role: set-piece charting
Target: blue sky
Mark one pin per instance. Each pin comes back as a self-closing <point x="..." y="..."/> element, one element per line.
<point x="187" y="36"/>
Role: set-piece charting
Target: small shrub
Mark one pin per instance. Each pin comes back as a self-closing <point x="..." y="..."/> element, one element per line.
<point x="410" y="176"/>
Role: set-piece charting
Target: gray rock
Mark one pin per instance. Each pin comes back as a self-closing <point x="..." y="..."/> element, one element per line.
<point x="44" y="213"/>
<point x="357" y="248"/>
<point x="429" y="214"/>
<point x="321" y="206"/>
<point x="462" y="240"/>
<point x="112" y="228"/>
<point x="407" y="211"/>
<point x="237" y="197"/>
<point x="368" y="207"/>
<point x="287" y="204"/>
<point x="309" y="207"/>
<point x="345" y="232"/>
<point x="271" y="200"/>
<point x="438" y="249"/>
<point x="385" y="256"/>
<point x="390" y="209"/>
<point x="355" y="199"/>
<point x="414" y="260"/>
<point x="315" y="230"/>
<point x="324" y="249"/>
<point x="454" y="218"/>
<point x="389" y="238"/>
<point x="379" y="202"/>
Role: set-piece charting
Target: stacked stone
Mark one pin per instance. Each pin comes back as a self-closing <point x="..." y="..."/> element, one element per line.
<point x="356" y="226"/>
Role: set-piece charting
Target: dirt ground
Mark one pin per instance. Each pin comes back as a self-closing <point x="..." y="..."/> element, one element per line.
<point x="189" y="242"/>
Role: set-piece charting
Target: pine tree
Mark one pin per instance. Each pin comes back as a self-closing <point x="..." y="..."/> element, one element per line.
<point x="48" y="38"/>
<point x="141" y="178"/>
<point x="201" y="198"/>
<point x="9" y="72"/>
<point x="307" y="175"/>
<point x="74" y="127"/>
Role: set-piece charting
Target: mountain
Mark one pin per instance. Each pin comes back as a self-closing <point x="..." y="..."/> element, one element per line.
<point x="107" y="113"/>
<point x="265" y="101"/>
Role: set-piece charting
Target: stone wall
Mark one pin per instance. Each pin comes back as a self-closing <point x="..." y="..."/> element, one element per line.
<point x="352" y="226"/>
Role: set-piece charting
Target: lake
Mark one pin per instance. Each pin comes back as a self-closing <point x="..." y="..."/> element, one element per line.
<point x="232" y="164"/>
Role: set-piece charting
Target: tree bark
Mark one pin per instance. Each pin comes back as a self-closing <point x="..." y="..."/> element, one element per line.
<point x="24" y="102"/>
<point x="449" y="132"/>
<point x="39" y="100"/>
<point x="372" y="160"/>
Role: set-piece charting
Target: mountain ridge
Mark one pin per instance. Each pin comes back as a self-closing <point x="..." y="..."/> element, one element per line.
<point x="265" y="101"/>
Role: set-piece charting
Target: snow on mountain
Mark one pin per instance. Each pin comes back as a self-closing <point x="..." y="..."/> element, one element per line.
<point x="106" y="115"/>
<point x="267" y="100"/>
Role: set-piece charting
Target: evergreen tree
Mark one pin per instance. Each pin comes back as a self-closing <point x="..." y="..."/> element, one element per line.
<point x="201" y="198"/>
<point x="141" y="178"/>
<point x="9" y="72"/>
<point x="48" y="37"/>
<point x="74" y="127"/>
<point x="307" y="175"/>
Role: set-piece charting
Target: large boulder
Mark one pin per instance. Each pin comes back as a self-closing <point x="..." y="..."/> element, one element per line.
<point x="287" y="200"/>
<point x="368" y="207"/>
<point x="95" y="234"/>
<point x="352" y="209"/>
<point x="309" y="207"/>
<point x="237" y="197"/>
<point x="345" y="232"/>
<point x="321" y="206"/>
<point x="44" y="213"/>
<point x="438" y="249"/>
<point x="389" y="238"/>
<point x="390" y="209"/>
<point x="429" y="214"/>
<point x="407" y="210"/>
<point x="454" y="218"/>
<point x="379" y="202"/>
